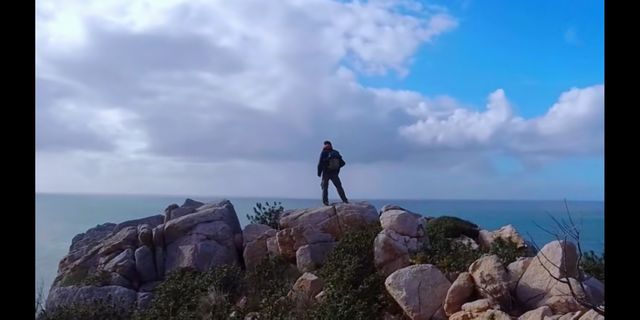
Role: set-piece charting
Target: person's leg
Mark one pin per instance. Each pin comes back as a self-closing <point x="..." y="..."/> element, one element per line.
<point x="325" y="189"/>
<point x="336" y="182"/>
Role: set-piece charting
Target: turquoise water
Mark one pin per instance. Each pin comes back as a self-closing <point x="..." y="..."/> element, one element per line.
<point x="60" y="217"/>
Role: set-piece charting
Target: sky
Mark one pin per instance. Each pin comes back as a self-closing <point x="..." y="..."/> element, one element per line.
<point x="457" y="99"/>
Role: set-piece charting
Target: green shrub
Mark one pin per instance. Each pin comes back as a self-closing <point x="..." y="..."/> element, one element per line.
<point x="98" y="310"/>
<point x="507" y="251"/>
<point x="215" y="305"/>
<point x="451" y="227"/>
<point x="593" y="265"/>
<point x="353" y="288"/>
<point x="267" y="287"/>
<point x="98" y="279"/>
<point x="447" y="254"/>
<point x="269" y="214"/>
<point x="180" y="294"/>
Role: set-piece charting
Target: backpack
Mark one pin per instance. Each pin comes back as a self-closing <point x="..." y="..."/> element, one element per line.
<point x="334" y="161"/>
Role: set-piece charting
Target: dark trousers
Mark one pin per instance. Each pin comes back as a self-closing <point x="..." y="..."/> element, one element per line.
<point x="333" y="176"/>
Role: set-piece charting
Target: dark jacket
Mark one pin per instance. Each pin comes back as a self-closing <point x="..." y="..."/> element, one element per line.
<point x="324" y="160"/>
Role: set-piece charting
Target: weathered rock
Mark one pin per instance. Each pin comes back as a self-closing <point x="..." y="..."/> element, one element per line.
<point x="516" y="269"/>
<point x="570" y="316"/>
<point x="307" y="285"/>
<point x="92" y="237"/>
<point x="124" y="264"/>
<point x="255" y="243"/>
<point x="462" y="315"/>
<point x="198" y="254"/>
<point x="439" y="315"/>
<point x="592" y="315"/>
<point x="561" y="300"/>
<point x="145" y="235"/>
<point x="179" y="227"/>
<point x="152" y="221"/>
<point x="485" y="239"/>
<point x="323" y="219"/>
<point x="191" y="203"/>
<point x="478" y="306"/>
<point x="558" y="258"/>
<point x="494" y="315"/>
<point x="312" y="256"/>
<point x="491" y="279"/>
<point x="158" y="235"/>
<point x="537" y="314"/>
<point x="181" y="212"/>
<point x="145" y="264"/>
<point x="418" y="289"/>
<point x="144" y="300"/>
<point x="392" y="251"/>
<point x="119" y="296"/>
<point x="595" y="290"/>
<point x="117" y="279"/>
<point x="149" y="286"/>
<point x="355" y="215"/>
<point x="403" y="222"/>
<point x="254" y="231"/>
<point x="167" y="212"/>
<point x="459" y="293"/>
<point x="507" y="233"/>
<point x="160" y="262"/>
<point x="272" y="246"/>
<point x="126" y="238"/>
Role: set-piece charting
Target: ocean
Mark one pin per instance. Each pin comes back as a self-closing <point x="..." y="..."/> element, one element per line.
<point x="59" y="217"/>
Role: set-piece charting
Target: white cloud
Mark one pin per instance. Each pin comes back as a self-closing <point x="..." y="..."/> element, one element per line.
<point x="135" y="95"/>
<point x="573" y="126"/>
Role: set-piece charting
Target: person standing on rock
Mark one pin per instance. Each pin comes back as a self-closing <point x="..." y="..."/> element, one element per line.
<point x="329" y="167"/>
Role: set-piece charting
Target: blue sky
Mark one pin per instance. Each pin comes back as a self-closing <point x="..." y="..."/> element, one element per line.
<point x="436" y="99"/>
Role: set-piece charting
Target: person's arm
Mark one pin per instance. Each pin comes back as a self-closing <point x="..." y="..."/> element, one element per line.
<point x="320" y="165"/>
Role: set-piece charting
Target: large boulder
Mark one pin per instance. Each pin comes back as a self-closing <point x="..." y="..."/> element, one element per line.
<point x="459" y="293"/>
<point x="516" y="269"/>
<point x="507" y="233"/>
<point x="312" y="256"/>
<point x="402" y="235"/>
<point x="319" y="225"/>
<point x="145" y="264"/>
<point x="537" y="314"/>
<point x="491" y="279"/>
<point x="334" y="220"/>
<point x="392" y="251"/>
<point x="125" y="238"/>
<point x="557" y="259"/>
<point x="123" y="264"/>
<point x="255" y="238"/>
<point x="419" y="290"/>
<point x="307" y="285"/>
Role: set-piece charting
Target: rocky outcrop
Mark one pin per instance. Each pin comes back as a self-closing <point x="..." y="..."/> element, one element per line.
<point x="307" y="235"/>
<point x="135" y="254"/>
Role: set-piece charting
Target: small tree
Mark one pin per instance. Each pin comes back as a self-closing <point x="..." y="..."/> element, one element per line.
<point x="269" y="214"/>
<point x="567" y="230"/>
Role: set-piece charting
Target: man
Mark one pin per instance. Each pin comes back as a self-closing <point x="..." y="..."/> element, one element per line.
<point x="329" y="167"/>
